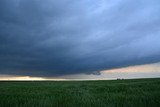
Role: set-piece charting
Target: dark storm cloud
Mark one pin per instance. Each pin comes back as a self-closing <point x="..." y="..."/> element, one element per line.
<point x="59" y="37"/>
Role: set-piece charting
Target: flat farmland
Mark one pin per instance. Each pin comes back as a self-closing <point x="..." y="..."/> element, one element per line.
<point x="107" y="93"/>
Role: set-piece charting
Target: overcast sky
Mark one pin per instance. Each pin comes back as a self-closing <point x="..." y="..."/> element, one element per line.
<point x="50" y="38"/>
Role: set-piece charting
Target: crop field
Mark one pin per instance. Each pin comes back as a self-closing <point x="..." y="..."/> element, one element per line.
<point x="109" y="93"/>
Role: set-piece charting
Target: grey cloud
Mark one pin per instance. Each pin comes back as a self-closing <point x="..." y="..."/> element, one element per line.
<point x="51" y="37"/>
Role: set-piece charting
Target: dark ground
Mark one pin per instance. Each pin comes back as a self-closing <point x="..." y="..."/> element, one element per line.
<point x="113" y="93"/>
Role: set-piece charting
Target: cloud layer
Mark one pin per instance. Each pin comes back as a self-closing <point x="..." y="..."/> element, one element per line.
<point x="59" y="37"/>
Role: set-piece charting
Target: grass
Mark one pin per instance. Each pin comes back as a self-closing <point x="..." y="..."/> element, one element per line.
<point x="113" y="93"/>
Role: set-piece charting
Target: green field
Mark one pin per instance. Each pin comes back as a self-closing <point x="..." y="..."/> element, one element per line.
<point x="113" y="93"/>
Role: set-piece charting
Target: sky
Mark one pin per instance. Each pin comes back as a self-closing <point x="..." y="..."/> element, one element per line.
<point x="79" y="39"/>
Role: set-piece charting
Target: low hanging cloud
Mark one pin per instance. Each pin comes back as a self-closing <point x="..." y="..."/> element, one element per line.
<point x="61" y="37"/>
